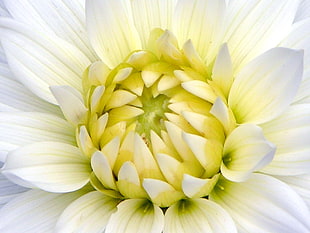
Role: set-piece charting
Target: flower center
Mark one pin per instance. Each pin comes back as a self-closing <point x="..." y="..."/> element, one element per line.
<point x="146" y="134"/>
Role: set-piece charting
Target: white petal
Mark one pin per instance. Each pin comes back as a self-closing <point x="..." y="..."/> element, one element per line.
<point x="291" y="134"/>
<point x="200" y="89"/>
<point x="111" y="31"/>
<point x="136" y="216"/>
<point x="9" y="190"/>
<point x="102" y="169"/>
<point x="263" y="204"/>
<point x="299" y="39"/>
<point x="51" y="166"/>
<point x="70" y="102"/>
<point x="245" y="151"/>
<point x="254" y="26"/>
<point x="201" y="21"/>
<point x="198" y="215"/>
<point x="266" y="86"/>
<point x="148" y="15"/>
<point x="222" y="72"/>
<point x="144" y="160"/>
<point x="22" y="128"/>
<point x="300" y="184"/>
<point x="64" y="18"/>
<point x="89" y="213"/>
<point x="303" y="10"/>
<point x="39" y="61"/>
<point x="34" y="211"/>
<point x="19" y="98"/>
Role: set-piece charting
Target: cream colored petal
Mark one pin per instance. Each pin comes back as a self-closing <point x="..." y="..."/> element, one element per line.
<point x="254" y="26"/>
<point x="22" y="128"/>
<point x="136" y="216"/>
<point x="148" y="15"/>
<point x="17" y="97"/>
<point x="222" y="72"/>
<point x="71" y="103"/>
<point x="102" y="169"/>
<point x="265" y="87"/>
<point x="34" y="211"/>
<point x="111" y="31"/>
<point x="90" y="213"/>
<point x="51" y="166"/>
<point x="63" y="18"/>
<point x="201" y="21"/>
<point x="198" y="215"/>
<point x="39" y="61"/>
<point x="291" y="134"/>
<point x="263" y="204"/>
<point x="245" y="151"/>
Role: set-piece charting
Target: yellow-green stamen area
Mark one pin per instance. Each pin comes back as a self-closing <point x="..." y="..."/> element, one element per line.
<point x="148" y="134"/>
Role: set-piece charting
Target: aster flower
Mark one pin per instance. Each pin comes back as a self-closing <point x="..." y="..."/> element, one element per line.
<point x="155" y="116"/>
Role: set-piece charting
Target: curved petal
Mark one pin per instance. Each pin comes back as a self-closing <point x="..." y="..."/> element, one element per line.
<point x="39" y="61"/>
<point x="265" y="87"/>
<point x="111" y="31"/>
<point x="198" y="215"/>
<point x="63" y="18"/>
<point x="34" y="211"/>
<point x="245" y="150"/>
<point x="71" y="103"/>
<point x="9" y="190"/>
<point x="254" y="26"/>
<point x="89" y="213"/>
<point x="22" y="128"/>
<point x="51" y="166"/>
<point x="136" y="216"/>
<point x="303" y="11"/>
<point x="299" y="39"/>
<point x="263" y="204"/>
<point x="148" y="15"/>
<point x="300" y="184"/>
<point x="200" y="21"/>
<point x="291" y="134"/>
<point x="15" y="96"/>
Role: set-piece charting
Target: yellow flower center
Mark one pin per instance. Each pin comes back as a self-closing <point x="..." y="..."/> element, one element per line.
<point x="147" y="135"/>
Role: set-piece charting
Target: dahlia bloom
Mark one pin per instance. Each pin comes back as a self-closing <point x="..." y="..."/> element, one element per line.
<point x="171" y="116"/>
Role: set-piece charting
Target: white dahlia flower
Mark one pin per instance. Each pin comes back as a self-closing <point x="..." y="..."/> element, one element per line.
<point x="155" y="116"/>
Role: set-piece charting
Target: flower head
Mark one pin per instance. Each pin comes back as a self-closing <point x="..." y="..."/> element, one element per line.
<point x="157" y="116"/>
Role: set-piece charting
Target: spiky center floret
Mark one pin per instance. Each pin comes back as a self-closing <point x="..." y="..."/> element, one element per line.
<point x="147" y="135"/>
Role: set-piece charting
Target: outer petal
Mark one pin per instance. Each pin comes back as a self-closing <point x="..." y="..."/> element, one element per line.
<point x="291" y="134"/>
<point x="39" y="61"/>
<point x="201" y="21"/>
<point x="254" y="26"/>
<point x="197" y="215"/>
<point x="9" y="190"/>
<point x="266" y="86"/>
<point x="111" y="31"/>
<point x="22" y="128"/>
<point x="303" y="10"/>
<point x="148" y="15"/>
<point x="51" y="166"/>
<point x="245" y="150"/>
<point x="300" y="184"/>
<point x="136" y="216"/>
<point x="15" y="97"/>
<point x="63" y="18"/>
<point x="89" y="213"/>
<point x="263" y="204"/>
<point x="299" y="39"/>
<point x="34" y="211"/>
